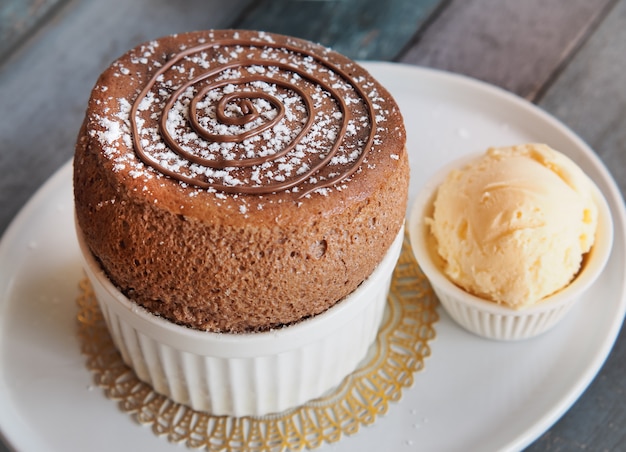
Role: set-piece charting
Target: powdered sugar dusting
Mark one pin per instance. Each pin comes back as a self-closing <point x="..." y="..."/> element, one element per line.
<point x="311" y="125"/>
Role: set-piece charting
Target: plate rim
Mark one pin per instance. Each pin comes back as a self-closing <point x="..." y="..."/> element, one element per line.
<point x="610" y="189"/>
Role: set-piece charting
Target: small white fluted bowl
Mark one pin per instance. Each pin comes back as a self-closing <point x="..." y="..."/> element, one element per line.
<point x="486" y="318"/>
<point x="245" y="374"/>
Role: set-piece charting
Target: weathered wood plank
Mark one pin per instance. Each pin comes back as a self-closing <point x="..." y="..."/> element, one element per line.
<point x="590" y="94"/>
<point x="360" y="29"/>
<point x="18" y="19"/>
<point x="590" y="97"/>
<point x="512" y="44"/>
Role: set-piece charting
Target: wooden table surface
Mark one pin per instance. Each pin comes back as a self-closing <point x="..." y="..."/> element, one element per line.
<point x="566" y="56"/>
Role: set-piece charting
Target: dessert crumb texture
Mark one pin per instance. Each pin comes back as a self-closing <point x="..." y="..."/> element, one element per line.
<point x="237" y="181"/>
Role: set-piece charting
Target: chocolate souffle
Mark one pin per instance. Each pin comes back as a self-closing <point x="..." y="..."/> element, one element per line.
<point x="239" y="181"/>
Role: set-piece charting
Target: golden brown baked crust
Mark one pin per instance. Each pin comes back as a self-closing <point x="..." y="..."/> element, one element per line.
<point x="197" y="254"/>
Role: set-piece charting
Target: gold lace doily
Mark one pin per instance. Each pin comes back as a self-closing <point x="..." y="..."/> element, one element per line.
<point x="399" y="352"/>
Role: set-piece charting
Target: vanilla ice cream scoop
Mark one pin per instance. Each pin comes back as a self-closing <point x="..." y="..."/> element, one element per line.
<point x="514" y="225"/>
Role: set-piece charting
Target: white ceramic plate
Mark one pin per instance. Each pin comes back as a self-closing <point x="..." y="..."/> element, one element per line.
<point x="474" y="394"/>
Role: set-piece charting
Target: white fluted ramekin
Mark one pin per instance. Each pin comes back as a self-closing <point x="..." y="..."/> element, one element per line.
<point x="245" y="374"/>
<point x="484" y="317"/>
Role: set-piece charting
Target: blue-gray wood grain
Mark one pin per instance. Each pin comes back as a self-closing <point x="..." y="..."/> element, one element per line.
<point x="359" y="29"/>
<point x="516" y="45"/>
<point x="20" y="18"/>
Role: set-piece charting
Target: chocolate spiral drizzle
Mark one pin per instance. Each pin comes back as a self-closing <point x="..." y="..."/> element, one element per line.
<point x="208" y="80"/>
